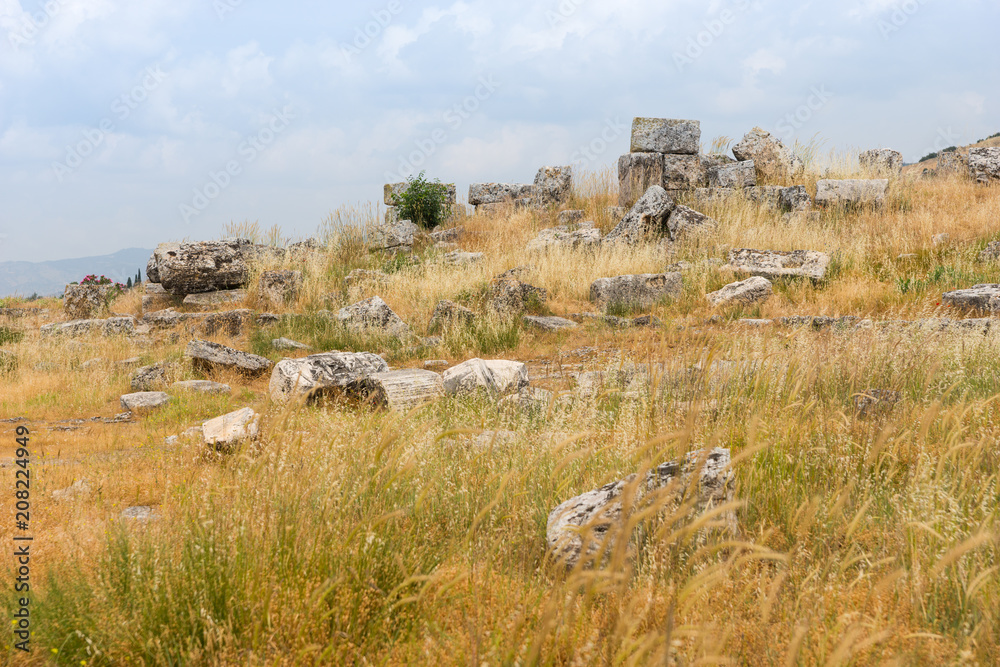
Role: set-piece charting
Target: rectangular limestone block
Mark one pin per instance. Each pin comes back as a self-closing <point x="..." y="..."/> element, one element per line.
<point x="636" y="173"/>
<point x="663" y="135"/>
<point x="682" y="172"/>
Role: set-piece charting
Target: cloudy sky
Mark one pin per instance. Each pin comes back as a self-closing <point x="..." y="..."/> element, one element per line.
<point x="124" y="124"/>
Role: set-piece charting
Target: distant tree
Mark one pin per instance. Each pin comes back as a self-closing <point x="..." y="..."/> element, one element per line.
<point x="128" y="285"/>
<point x="138" y="277"/>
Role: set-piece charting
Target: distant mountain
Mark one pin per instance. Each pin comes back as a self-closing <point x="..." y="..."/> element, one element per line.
<point x="51" y="278"/>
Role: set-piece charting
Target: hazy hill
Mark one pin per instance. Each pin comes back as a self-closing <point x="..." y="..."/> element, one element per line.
<point x="50" y="278"/>
<point x="932" y="163"/>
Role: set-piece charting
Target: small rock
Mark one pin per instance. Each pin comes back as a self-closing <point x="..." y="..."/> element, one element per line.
<point x="286" y="345"/>
<point x="142" y="403"/>
<point x="510" y="296"/>
<point x="461" y="258"/>
<point x="638" y="291"/>
<point x="752" y="290"/>
<point x="373" y="315"/>
<point x="685" y="221"/>
<point x="148" y="378"/>
<point x="140" y="513"/>
<point x="401" y="391"/>
<point x="497" y="377"/>
<point x="499" y="193"/>
<point x="451" y="235"/>
<point x="211" y="300"/>
<point x="229" y="430"/>
<point x="277" y="288"/>
<point x="852" y="192"/>
<point x="435" y="363"/>
<point x="550" y="324"/>
<point x="448" y="313"/>
<point x="207" y="357"/>
<point x="202" y="387"/>
<point x="563" y="237"/>
<point x="941" y="239"/>
<point x="772" y="264"/>
<point x="991" y="253"/>
<point x="570" y="217"/>
<point x="648" y="218"/>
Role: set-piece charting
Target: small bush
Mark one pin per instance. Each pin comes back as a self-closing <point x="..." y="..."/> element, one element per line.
<point x="8" y="336"/>
<point x="424" y="203"/>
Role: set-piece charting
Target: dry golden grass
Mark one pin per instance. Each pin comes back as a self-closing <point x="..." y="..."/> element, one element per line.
<point x="353" y="536"/>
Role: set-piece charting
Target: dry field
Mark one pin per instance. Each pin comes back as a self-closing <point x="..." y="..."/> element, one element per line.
<point x="349" y="535"/>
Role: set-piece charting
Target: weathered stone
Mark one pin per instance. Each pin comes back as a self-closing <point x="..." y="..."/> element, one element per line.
<point x="794" y="198"/>
<point x="144" y="402"/>
<point x="226" y="432"/>
<point x="712" y="161"/>
<point x="399" y="236"/>
<point x="991" y="253"/>
<point x="637" y="172"/>
<point x="764" y="195"/>
<point x="686" y="221"/>
<point x="156" y="298"/>
<point x="984" y="164"/>
<point x="709" y="196"/>
<point x="449" y="235"/>
<point x="752" y="290"/>
<point x="448" y="313"/>
<point x="115" y="326"/>
<point x="322" y="375"/>
<point x="152" y="272"/>
<point x="118" y="326"/>
<point x="207" y="356"/>
<point x="510" y="296"/>
<point x="497" y="377"/>
<point x="141" y="514"/>
<point x="83" y="302"/>
<point x="202" y="387"/>
<point x="617" y="212"/>
<point x="553" y="186"/>
<point x="852" y="192"/>
<point x="500" y="193"/>
<point x="771" y="159"/>
<point x="979" y="297"/>
<point x="598" y="518"/>
<point x="209" y="266"/>
<point x="570" y="217"/>
<point x="882" y="161"/>
<point x="585" y="236"/>
<point x="648" y="218"/>
<point x="772" y="264"/>
<point x="229" y="323"/>
<point x="277" y="288"/>
<point x="400" y="391"/>
<point x="875" y="401"/>
<point x="397" y="189"/>
<point x="460" y="257"/>
<point x="373" y="315"/>
<point x="637" y="291"/>
<point x="286" y="345"/>
<point x="435" y="363"/>
<point x="682" y="172"/>
<point x="661" y="135"/>
<point x="169" y="318"/>
<point x="391" y="215"/>
<point x="361" y="277"/>
<point x="150" y="378"/>
<point x="211" y="300"/>
<point x="736" y="175"/>
<point x="549" y="324"/>
<point x="952" y="163"/>
<point x="941" y="239"/>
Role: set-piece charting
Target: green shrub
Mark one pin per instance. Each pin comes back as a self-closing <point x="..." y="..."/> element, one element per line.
<point x="8" y="335"/>
<point x="424" y="203"/>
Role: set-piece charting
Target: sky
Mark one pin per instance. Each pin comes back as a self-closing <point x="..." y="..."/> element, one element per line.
<point x="127" y="124"/>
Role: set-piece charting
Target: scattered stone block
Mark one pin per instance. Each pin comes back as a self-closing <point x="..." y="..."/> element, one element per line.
<point x="497" y="377"/>
<point x="565" y="237"/>
<point x="212" y="300"/>
<point x="322" y="375"/>
<point x="770" y="157"/>
<point x="448" y="313"/>
<point x="229" y="323"/>
<point x="208" y="357"/>
<point x="373" y="315"/>
<point x="397" y="237"/>
<point x="209" y="266"/>
<point x="553" y="186"/>
<point x="288" y="345"/>
<point x="449" y="235"/>
<point x="597" y="519"/>
<point x="661" y="135"/>
<point x="952" y="163"/>
<point x="750" y="291"/>
<point x="979" y="297"/>
<point x="882" y="161"/>
<point x="149" y="378"/>
<point x="984" y="164"/>
<point x="276" y="288"/>
<point x="500" y="193"/>
<point x="140" y="514"/>
<point x="794" y="198"/>
<point x="462" y="258"/>
<point x="772" y="264"/>
<point x="648" y="218"/>
<point x="635" y="291"/>
<point x="549" y="324"/>
<point x="735" y="176"/>
<point x="991" y="253"/>
<point x="686" y="221"/>
<point x="145" y="402"/>
<point x="156" y="298"/>
<point x="84" y="302"/>
<point x="510" y="297"/>
<point x="202" y="387"/>
<point x="682" y="172"/>
<point x="226" y="432"/>
<point x="852" y="192"/>
<point x="570" y="217"/>
<point x="400" y="391"/>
